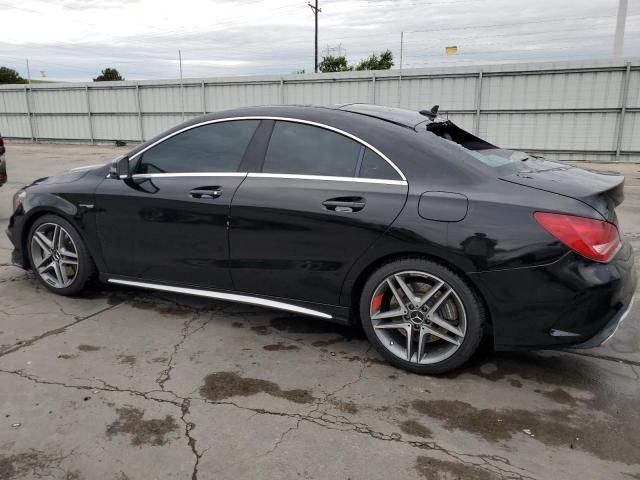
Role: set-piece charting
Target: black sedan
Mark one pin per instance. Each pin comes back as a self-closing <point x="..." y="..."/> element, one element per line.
<point x="425" y="234"/>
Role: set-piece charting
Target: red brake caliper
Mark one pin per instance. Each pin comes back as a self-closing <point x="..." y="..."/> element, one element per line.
<point x="377" y="302"/>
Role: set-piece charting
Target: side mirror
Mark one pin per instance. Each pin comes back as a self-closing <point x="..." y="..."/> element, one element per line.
<point x="120" y="168"/>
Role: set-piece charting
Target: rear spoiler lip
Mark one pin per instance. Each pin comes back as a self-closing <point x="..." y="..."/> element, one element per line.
<point x="615" y="192"/>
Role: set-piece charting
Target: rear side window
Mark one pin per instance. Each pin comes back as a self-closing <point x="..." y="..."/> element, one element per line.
<point x="374" y="166"/>
<point x="217" y="147"/>
<point x="301" y="149"/>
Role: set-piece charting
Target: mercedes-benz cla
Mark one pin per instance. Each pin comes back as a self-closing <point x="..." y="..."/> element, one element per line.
<point x="425" y="234"/>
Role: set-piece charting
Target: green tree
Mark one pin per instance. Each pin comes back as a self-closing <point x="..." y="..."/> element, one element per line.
<point x="109" y="75"/>
<point x="375" y="62"/>
<point x="334" y="64"/>
<point x="9" y="75"/>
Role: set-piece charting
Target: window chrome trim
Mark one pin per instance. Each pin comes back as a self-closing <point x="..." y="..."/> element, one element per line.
<point x="189" y="174"/>
<point x="231" y="297"/>
<point x="284" y="119"/>
<point x="327" y="178"/>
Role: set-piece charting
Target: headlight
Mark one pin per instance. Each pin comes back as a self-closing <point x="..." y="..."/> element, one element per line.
<point x="18" y="199"/>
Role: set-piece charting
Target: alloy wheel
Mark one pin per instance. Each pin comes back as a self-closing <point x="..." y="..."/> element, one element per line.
<point x="54" y="255"/>
<point x="418" y="317"/>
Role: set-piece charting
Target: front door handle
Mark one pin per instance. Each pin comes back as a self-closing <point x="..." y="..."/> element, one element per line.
<point x="345" y="204"/>
<point x="206" y="192"/>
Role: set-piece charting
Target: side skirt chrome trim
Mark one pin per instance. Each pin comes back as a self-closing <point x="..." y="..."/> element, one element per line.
<point x="231" y="297"/>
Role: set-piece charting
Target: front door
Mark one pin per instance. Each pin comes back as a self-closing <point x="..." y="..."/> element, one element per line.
<point x="168" y="223"/>
<point x="321" y="200"/>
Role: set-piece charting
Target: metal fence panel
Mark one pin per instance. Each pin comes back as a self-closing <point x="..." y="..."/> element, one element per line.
<point x="59" y="101"/>
<point x="14" y="126"/>
<point x="113" y="100"/>
<point x="567" y="110"/>
<point x="118" y="127"/>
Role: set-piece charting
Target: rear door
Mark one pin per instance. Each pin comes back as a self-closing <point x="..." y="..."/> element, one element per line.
<point x="321" y="199"/>
<point x="169" y="222"/>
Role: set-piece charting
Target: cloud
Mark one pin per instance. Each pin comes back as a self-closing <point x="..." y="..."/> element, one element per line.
<point x="75" y="39"/>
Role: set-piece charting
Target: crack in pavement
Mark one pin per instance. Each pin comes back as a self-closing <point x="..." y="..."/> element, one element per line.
<point x="191" y="441"/>
<point x="606" y="358"/>
<point x="492" y="463"/>
<point x="56" y="331"/>
<point x="320" y="402"/>
<point x="165" y="375"/>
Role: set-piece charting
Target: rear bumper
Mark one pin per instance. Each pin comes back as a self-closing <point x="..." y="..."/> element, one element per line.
<point x="609" y="330"/>
<point x="573" y="302"/>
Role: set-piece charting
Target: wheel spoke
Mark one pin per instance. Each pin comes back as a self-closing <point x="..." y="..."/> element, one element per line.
<point x="431" y="331"/>
<point x="434" y="308"/>
<point x="409" y="331"/>
<point x="405" y="288"/>
<point x="42" y="269"/>
<point x="45" y="258"/>
<point x="43" y="242"/>
<point x="393" y="326"/>
<point x="432" y="291"/>
<point x="396" y="294"/>
<point x="59" y="275"/>
<point x="389" y="314"/>
<point x="55" y="241"/>
<point x="441" y="322"/>
<point x="424" y="333"/>
<point x="67" y="253"/>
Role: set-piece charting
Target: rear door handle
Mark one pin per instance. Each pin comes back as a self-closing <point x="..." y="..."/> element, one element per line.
<point x="206" y="192"/>
<point x="345" y="204"/>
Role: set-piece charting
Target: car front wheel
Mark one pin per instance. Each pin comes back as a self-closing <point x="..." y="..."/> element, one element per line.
<point x="421" y="316"/>
<point x="58" y="255"/>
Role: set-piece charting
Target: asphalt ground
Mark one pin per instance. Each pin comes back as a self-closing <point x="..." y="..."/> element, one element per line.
<point x="130" y="384"/>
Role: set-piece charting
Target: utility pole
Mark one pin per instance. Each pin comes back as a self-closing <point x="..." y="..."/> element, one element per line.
<point x="618" y="41"/>
<point x="28" y="72"/>
<point x="315" y="10"/>
<point x="181" y="83"/>
<point x="400" y="73"/>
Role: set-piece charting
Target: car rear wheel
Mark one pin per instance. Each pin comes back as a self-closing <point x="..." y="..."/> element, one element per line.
<point x="421" y="316"/>
<point x="59" y="256"/>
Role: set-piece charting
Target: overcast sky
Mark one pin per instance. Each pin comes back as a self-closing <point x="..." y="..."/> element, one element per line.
<point x="75" y="39"/>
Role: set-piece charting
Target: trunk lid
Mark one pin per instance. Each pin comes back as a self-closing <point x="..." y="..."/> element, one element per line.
<point x="602" y="190"/>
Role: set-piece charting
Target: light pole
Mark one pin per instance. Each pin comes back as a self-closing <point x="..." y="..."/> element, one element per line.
<point x="618" y="41"/>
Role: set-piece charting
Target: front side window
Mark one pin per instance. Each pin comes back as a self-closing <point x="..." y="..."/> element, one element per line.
<point x="301" y="149"/>
<point x="216" y="147"/>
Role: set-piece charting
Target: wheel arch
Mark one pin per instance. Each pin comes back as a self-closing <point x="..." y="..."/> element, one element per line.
<point x="40" y="212"/>
<point x="371" y="267"/>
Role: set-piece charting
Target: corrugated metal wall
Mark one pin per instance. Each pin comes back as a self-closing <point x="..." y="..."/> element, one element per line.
<point x="570" y="110"/>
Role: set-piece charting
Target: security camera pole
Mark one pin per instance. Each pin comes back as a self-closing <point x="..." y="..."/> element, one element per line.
<point x="315" y="10"/>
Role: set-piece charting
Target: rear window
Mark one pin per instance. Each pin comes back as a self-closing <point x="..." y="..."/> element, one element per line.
<point x="479" y="149"/>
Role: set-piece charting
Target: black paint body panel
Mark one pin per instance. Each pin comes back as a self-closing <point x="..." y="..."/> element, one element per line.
<point x="282" y="243"/>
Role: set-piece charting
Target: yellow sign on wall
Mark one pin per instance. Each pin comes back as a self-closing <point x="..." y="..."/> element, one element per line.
<point x="452" y="50"/>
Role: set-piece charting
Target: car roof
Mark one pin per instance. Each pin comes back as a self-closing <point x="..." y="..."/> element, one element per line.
<point x="399" y="116"/>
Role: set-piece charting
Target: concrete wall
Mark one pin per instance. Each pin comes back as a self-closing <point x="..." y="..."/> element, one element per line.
<point x="569" y="110"/>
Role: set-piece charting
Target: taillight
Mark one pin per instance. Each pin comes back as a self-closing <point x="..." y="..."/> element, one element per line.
<point x="594" y="239"/>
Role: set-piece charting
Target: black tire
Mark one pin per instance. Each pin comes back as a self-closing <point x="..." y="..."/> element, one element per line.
<point x="85" y="269"/>
<point x="473" y="306"/>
